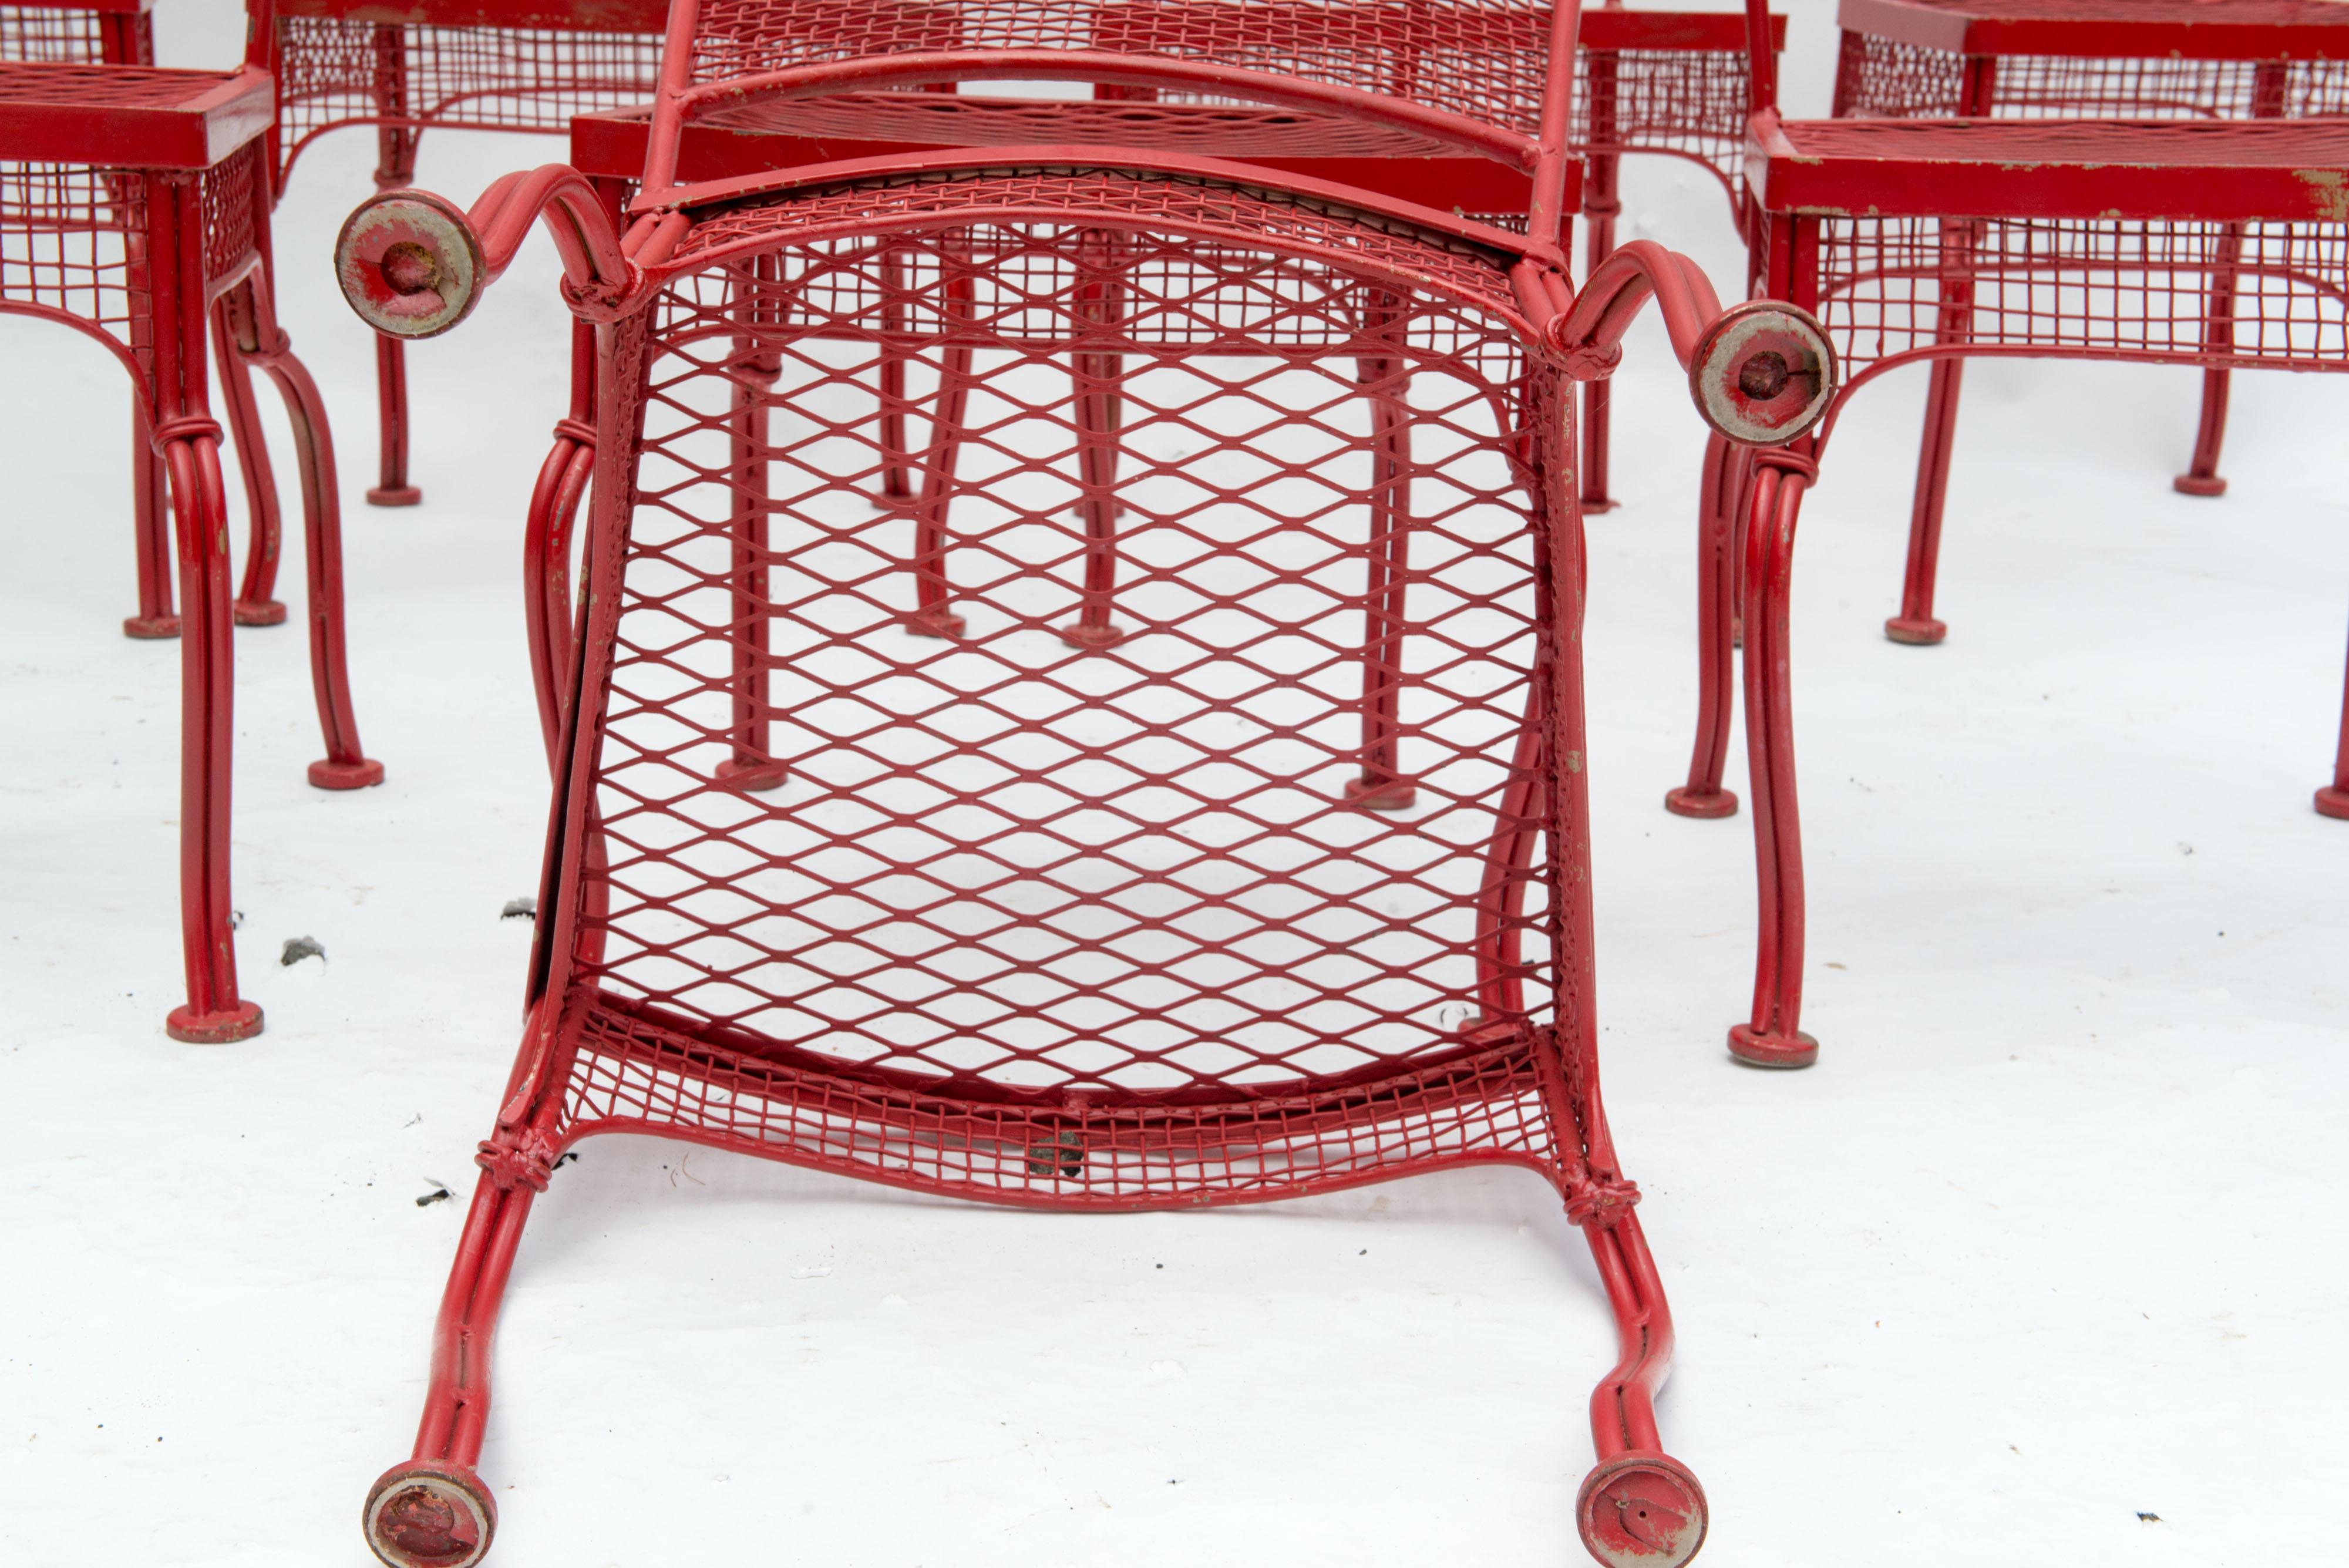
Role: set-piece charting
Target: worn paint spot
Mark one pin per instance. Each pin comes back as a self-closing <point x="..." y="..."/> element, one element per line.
<point x="2329" y="188"/>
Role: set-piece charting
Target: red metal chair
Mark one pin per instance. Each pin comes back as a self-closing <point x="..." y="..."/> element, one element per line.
<point x="914" y="863"/>
<point x="123" y="32"/>
<point x="2208" y="242"/>
<point x="2085" y="59"/>
<point x="134" y="206"/>
<point x="481" y="64"/>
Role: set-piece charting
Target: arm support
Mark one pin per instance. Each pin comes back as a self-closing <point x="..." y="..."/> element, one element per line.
<point x="1761" y="373"/>
<point x="412" y="265"/>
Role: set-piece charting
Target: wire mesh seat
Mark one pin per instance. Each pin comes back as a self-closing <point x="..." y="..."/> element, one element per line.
<point x="2219" y="244"/>
<point x="2077" y="59"/>
<point x="1193" y="813"/>
<point x="134" y="208"/>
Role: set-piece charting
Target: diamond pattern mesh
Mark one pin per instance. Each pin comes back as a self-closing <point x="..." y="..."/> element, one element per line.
<point x="1154" y="804"/>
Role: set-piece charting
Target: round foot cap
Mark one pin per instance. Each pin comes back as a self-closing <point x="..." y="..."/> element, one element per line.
<point x="1758" y="1050"/>
<point x="394" y="495"/>
<point x="242" y="1022"/>
<point x="2198" y="484"/>
<point x="423" y="1514"/>
<point x="1381" y="795"/>
<point x="1703" y="804"/>
<point x="149" y="628"/>
<point x="1641" y="1511"/>
<point x="761" y="774"/>
<point x="2333" y="801"/>
<point x="1917" y="633"/>
<point x="1076" y="634"/>
<point x="345" y="776"/>
<point x="257" y="612"/>
<point x="1592" y="506"/>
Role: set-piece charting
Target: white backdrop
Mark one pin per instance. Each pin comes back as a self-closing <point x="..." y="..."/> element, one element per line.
<point x="2043" y="1246"/>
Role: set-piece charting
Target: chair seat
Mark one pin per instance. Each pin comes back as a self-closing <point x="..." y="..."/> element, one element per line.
<point x="130" y="117"/>
<point x="2215" y="170"/>
<point x="2144" y="29"/>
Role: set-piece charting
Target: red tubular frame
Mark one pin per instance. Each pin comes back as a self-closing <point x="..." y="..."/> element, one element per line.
<point x="611" y="277"/>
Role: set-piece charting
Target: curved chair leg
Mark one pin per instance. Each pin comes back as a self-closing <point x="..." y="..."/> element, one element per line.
<point x="249" y="326"/>
<point x="897" y="464"/>
<point x="2333" y="801"/>
<point x="1382" y="785"/>
<point x="1773" y="1037"/>
<point x="256" y="602"/>
<point x="2202" y="478"/>
<point x="1915" y="623"/>
<point x="394" y="168"/>
<point x="1639" y="1506"/>
<point x="214" y="1013"/>
<point x="151" y="532"/>
<point x="563" y="483"/>
<point x="754" y="368"/>
<point x="1100" y="416"/>
<point x="1599" y="209"/>
<point x="433" y="1511"/>
<point x="933" y="613"/>
<point x="1727" y="469"/>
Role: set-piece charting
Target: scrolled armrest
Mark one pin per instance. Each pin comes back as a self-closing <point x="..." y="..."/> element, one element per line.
<point x="413" y="264"/>
<point x="1761" y="373"/>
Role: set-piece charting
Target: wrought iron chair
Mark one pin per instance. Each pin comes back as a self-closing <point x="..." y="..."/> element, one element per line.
<point x="914" y="863"/>
<point x="134" y="207"/>
<point x="2210" y="243"/>
<point x="2089" y="59"/>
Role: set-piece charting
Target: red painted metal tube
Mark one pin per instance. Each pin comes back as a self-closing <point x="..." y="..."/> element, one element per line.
<point x="1590" y="332"/>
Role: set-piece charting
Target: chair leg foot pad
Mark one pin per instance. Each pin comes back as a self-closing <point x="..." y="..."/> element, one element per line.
<point x="1756" y="1049"/>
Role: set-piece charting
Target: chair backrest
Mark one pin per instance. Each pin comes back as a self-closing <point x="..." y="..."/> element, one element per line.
<point x="1495" y="76"/>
